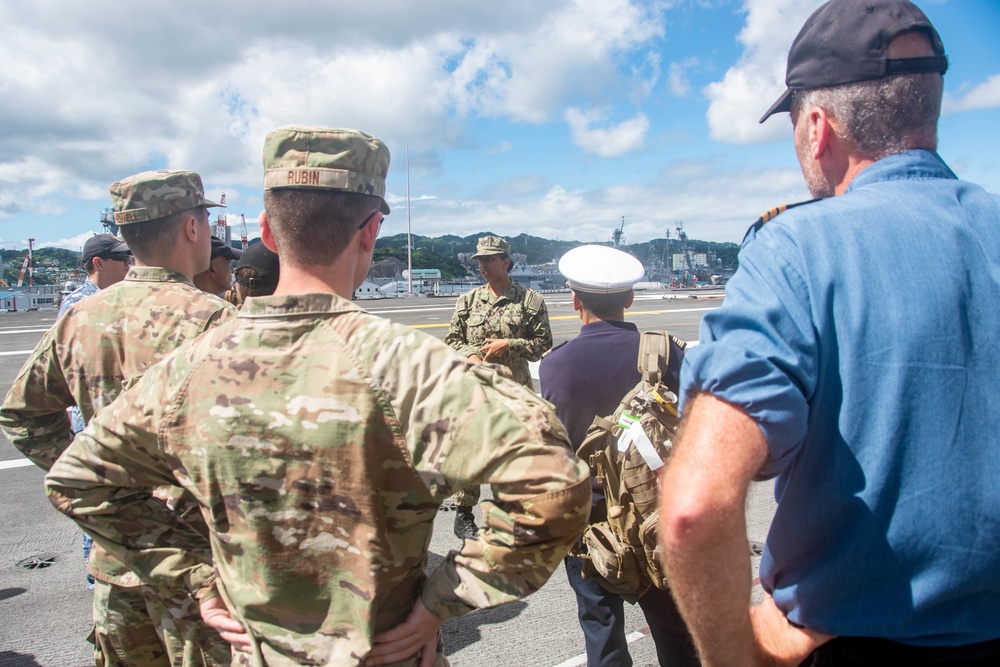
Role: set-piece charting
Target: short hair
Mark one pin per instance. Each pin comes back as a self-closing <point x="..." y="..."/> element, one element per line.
<point x="153" y="238"/>
<point x="602" y="306"/>
<point x="89" y="267"/>
<point x="883" y="116"/>
<point x="314" y="227"/>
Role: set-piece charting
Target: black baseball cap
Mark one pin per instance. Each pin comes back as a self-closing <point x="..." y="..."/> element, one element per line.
<point x="265" y="262"/>
<point x="221" y="248"/>
<point x="845" y="41"/>
<point x="102" y="244"/>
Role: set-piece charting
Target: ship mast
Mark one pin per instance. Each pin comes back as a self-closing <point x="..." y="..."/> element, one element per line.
<point x="618" y="236"/>
<point x="221" y="228"/>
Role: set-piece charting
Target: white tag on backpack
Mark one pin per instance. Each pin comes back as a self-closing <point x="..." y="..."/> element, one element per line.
<point x="633" y="434"/>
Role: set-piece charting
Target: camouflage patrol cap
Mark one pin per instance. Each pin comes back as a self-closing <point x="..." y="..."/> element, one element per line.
<point x="300" y="156"/>
<point x="491" y="245"/>
<point x="151" y="195"/>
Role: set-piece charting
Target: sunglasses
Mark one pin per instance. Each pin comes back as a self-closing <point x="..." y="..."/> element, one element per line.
<point x="369" y="218"/>
<point x="117" y="256"/>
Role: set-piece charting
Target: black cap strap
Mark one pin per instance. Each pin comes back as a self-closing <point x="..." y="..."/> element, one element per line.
<point x="916" y="65"/>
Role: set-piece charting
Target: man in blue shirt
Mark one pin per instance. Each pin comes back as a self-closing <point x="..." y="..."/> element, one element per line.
<point x="106" y="259"/>
<point x="586" y="378"/>
<point x="854" y="360"/>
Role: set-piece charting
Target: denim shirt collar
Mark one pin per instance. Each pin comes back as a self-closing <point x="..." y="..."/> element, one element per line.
<point x="908" y="165"/>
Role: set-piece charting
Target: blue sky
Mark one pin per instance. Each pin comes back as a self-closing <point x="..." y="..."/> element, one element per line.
<point x="557" y="118"/>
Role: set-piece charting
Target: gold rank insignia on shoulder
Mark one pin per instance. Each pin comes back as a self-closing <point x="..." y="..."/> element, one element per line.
<point x="772" y="213"/>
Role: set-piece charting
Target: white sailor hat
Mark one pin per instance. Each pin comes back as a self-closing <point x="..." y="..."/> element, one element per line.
<point x="599" y="269"/>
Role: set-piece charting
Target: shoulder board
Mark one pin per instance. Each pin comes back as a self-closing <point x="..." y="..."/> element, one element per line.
<point x="773" y="213"/>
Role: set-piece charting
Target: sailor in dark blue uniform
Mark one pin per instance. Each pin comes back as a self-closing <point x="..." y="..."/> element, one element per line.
<point x="585" y="378"/>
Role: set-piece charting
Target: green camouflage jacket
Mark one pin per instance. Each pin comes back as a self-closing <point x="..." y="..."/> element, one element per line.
<point x="320" y="441"/>
<point x="103" y="343"/>
<point x="519" y="315"/>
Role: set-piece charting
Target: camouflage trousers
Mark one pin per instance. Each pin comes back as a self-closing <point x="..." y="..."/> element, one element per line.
<point x="263" y="657"/>
<point x="467" y="497"/>
<point x="136" y="627"/>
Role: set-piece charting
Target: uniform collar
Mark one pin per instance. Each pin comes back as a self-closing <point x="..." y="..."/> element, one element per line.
<point x="314" y="303"/>
<point x="607" y="325"/>
<point x="903" y="166"/>
<point x="156" y="274"/>
<point x="512" y="293"/>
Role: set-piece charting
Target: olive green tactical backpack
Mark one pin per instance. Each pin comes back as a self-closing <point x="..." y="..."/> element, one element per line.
<point x="625" y="450"/>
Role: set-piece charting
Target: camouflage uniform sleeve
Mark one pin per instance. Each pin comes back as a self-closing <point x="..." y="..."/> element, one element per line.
<point x="538" y="338"/>
<point x="104" y="482"/>
<point x="33" y="415"/>
<point x="458" y="333"/>
<point x="465" y="425"/>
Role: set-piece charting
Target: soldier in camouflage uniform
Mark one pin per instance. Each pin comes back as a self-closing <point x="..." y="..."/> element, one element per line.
<point x="105" y="342"/>
<point x="106" y="260"/>
<point x="500" y="322"/>
<point x="319" y="441"/>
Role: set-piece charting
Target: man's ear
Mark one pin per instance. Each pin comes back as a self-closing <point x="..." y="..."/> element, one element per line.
<point x="191" y="228"/>
<point x="266" y="235"/>
<point x="820" y="131"/>
<point x="367" y="236"/>
<point x="629" y="299"/>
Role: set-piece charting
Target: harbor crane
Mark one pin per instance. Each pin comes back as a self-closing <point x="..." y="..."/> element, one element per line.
<point x="28" y="265"/>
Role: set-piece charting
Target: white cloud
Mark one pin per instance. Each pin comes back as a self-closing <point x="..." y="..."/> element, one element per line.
<point x="71" y="243"/>
<point x="610" y="141"/>
<point x="527" y="75"/>
<point x="678" y="81"/>
<point x="984" y="96"/>
<point x="687" y="191"/>
<point x="750" y="86"/>
<point x="100" y="95"/>
<point x="646" y="76"/>
<point x="503" y="147"/>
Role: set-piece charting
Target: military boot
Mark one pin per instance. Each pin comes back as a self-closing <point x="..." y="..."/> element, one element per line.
<point x="465" y="524"/>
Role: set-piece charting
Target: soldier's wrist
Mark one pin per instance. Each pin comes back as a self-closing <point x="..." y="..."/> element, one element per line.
<point x="201" y="582"/>
<point x="443" y="603"/>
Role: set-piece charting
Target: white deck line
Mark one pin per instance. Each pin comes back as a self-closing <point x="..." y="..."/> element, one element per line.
<point x="15" y="463"/>
<point x="581" y="659"/>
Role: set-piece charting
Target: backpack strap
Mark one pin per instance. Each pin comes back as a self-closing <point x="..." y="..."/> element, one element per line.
<point x="654" y="356"/>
